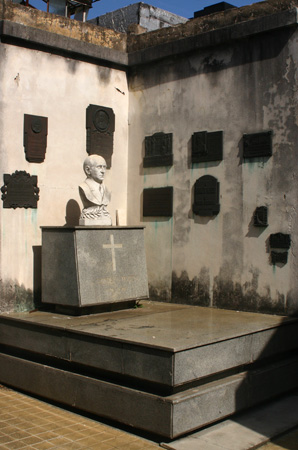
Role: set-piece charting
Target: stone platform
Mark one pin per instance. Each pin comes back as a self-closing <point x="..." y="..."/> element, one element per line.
<point x="164" y="368"/>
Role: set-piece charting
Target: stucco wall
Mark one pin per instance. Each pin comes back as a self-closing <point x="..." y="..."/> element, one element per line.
<point x="39" y="83"/>
<point x="244" y="87"/>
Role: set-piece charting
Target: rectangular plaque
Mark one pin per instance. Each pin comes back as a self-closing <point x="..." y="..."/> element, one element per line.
<point x="158" y="202"/>
<point x="280" y="240"/>
<point x="100" y="127"/>
<point x="20" y="190"/>
<point x="35" y="137"/>
<point x="279" y="257"/>
<point x="206" y="196"/>
<point x="257" y="144"/>
<point x="207" y="146"/>
<point x="158" y="150"/>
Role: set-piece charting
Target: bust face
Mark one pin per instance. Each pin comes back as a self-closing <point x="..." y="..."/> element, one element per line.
<point x="95" y="168"/>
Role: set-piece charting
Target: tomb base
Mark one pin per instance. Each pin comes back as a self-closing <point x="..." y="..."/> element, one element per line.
<point x="91" y="267"/>
<point x="164" y="368"/>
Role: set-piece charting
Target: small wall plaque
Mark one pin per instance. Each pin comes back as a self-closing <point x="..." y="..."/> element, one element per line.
<point x="20" y="190"/>
<point x="257" y="144"/>
<point x="100" y="126"/>
<point x="158" y="150"/>
<point x="206" y="196"/>
<point x="279" y="257"/>
<point x="158" y="202"/>
<point x="280" y="240"/>
<point x="207" y="146"/>
<point x="35" y="137"/>
<point x="261" y="216"/>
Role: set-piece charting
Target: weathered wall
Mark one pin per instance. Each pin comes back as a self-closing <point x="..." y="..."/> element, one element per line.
<point x="246" y="86"/>
<point x="40" y="83"/>
<point x="83" y="32"/>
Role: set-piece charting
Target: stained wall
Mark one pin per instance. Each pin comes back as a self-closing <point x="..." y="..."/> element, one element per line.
<point x="60" y="88"/>
<point x="242" y="86"/>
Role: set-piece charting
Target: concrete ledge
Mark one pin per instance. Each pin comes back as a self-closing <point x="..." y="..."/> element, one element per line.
<point x="214" y="37"/>
<point x="12" y="32"/>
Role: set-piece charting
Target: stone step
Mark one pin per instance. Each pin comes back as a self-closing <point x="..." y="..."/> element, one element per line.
<point x="166" y="369"/>
<point x="167" y="416"/>
<point x="167" y="345"/>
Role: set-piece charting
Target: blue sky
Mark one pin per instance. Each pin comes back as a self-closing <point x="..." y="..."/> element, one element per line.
<point x="184" y="8"/>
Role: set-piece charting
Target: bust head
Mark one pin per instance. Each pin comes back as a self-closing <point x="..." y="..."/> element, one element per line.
<point x="95" y="167"/>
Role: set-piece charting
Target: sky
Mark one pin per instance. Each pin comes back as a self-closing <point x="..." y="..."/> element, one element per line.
<point x="185" y="8"/>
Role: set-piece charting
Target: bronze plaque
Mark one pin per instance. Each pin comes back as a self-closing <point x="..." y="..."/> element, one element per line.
<point x="280" y="240"/>
<point x="206" y="196"/>
<point x="207" y="146"/>
<point x="279" y="257"/>
<point x="35" y="137"/>
<point x="158" y="202"/>
<point x="100" y="126"/>
<point x="261" y="216"/>
<point x="257" y="144"/>
<point x="158" y="150"/>
<point x="20" y="190"/>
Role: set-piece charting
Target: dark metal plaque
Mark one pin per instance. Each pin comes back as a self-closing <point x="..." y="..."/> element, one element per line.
<point x="280" y="240"/>
<point x="279" y="257"/>
<point x="258" y="144"/>
<point x="100" y="126"/>
<point x="158" y="202"/>
<point x="207" y="146"/>
<point x="158" y="150"/>
<point x="20" y="190"/>
<point x="206" y="196"/>
<point x="261" y="216"/>
<point x="35" y="137"/>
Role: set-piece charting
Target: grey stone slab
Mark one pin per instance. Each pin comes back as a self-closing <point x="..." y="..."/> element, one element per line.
<point x="222" y="398"/>
<point x="169" y="416"/>
<point x="160" y="343"/>
<point x="246" y="431"/>
<point x="125" y="405"/>
<point x="105" y="355"/>
<point x="205" y="360"/>
<point x="85" y="266"/>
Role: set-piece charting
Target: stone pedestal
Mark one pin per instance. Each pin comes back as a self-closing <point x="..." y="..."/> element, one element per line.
<point x="91" y="266"/>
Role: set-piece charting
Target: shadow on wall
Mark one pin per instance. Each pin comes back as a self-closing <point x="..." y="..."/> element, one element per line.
<point x="247" y="51"/>
<point x="72" y="214"/>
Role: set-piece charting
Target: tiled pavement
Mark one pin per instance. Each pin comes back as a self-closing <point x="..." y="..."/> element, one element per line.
<point x="30" y="424"/>
<point x="27" y="423"/>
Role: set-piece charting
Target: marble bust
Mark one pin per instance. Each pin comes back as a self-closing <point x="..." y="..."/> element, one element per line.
<point x="94" y="195"/>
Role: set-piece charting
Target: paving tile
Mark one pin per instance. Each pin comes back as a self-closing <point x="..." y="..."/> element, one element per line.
<point x="32" y="440"/>
<point x="31" y="424"/>
<point x="17" y="445"/>
<point x="44" y="445"/>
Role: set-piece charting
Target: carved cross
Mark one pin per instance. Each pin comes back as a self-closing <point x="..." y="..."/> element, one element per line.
<point x="112" y="246"/>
